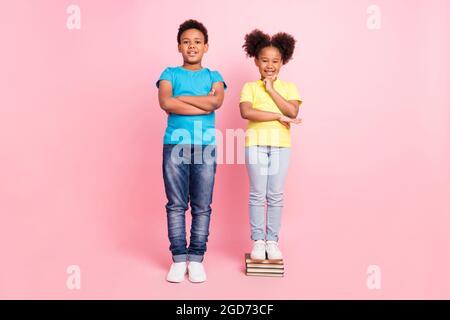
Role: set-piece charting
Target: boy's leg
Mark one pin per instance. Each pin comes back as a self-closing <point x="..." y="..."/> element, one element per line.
<point x="256" y="160"/>
<point x="202" y="174"/>
<point x="278" y="167"/>
<point x="176" y="183"/>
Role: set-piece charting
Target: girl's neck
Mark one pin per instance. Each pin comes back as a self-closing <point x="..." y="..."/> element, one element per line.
<point x="262" y="79"/>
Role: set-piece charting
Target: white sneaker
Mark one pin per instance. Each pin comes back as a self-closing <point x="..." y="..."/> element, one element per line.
<point x="196" y="272"/>
<point x="259" y="250"/>
<point x="273" y="251"/>
<point x="177" y="272"/>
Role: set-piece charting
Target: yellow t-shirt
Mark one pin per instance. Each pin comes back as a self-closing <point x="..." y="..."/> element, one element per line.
<point x="267" y="133"/>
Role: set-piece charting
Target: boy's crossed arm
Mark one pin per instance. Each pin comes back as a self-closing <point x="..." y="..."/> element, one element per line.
<point x="208" y="103"/>
<point x="190" y="105"/>
<point x="173" y="105"/>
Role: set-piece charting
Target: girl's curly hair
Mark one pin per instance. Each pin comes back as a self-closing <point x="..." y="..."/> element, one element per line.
<point x="257" y="40"/>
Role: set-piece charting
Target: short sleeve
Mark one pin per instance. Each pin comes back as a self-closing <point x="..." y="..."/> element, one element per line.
<point x="246" y="94"/>
<point x="217" y="77"/>
<point x="293" y="93"/>
<point x="167" y="74"/>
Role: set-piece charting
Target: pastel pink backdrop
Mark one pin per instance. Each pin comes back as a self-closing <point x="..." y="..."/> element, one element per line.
<point x="81" y="133"/>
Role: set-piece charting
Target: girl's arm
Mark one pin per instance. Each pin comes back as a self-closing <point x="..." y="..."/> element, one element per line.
<point x="172" y="105"/>
<point x="288" y="107"/>
<point x="249" y="113"/>
<point x="207" y="103"/>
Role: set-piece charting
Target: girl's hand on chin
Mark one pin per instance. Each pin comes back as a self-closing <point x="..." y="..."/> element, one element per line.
<point x="268" y="82"/>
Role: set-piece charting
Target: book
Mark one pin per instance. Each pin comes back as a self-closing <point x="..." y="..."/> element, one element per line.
<point x="265" y="270"/>
<point x="249" y="260"/>
<point x="264" y="274"/>
<point x="265" y="265"/>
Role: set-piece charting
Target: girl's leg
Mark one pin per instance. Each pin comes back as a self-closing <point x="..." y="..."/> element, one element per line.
<point x="256" y="159"/>
<point x="278" y="168"/>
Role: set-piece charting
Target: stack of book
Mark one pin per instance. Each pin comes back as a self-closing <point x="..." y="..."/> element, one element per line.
<point x="263" y="268"/>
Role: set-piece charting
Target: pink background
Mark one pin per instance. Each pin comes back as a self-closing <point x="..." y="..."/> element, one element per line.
<point x="81" y="134"/>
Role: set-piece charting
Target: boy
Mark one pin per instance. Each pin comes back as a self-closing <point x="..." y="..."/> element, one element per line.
<point x="189" y="94"/>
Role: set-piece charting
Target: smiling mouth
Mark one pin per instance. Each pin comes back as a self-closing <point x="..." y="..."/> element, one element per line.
<point x="192" y="53"/>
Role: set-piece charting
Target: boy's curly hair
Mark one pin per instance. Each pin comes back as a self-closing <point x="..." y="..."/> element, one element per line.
<point x="192" y="24"/>
<point x="257" y="40"/>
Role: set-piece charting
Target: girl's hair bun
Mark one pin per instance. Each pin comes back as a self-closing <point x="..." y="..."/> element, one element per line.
<point x="257" y="40"/>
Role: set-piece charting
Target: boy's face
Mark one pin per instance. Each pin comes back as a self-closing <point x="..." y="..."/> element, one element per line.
<point x="269" y="62"/>
<point x="192" y="46"/>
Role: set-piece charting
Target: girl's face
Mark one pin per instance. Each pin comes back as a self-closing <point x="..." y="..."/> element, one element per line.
<point x="192" y="46"/>
<point x="269" y="62"/>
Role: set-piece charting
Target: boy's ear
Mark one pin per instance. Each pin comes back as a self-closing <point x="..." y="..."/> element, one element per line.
<point x="206" y="47"/>
<point x="179" y="48"/>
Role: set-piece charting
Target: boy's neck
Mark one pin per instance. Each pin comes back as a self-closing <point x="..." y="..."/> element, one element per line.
<point x="193" y="67"/>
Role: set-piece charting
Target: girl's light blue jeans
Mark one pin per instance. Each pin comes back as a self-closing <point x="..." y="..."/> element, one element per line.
<point x="267" y="168"/>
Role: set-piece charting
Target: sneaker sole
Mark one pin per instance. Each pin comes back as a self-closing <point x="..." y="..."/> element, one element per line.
<point x="174" y="281"/>
<point x="196" y="281"/>
<point x="275" y="258"/>
<point x="258" y="259"/>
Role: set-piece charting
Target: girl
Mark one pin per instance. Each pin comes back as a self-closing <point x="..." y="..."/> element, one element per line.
<point x="270" y="105"/>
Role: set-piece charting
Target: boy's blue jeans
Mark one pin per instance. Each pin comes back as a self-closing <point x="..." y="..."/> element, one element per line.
<point x="188" y="172"/>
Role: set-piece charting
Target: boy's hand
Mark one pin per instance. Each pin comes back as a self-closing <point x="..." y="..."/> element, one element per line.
<point x="286" y="121"/>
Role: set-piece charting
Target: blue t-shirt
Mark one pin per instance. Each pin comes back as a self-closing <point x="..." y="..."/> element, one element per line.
<point x="198" y="129"/>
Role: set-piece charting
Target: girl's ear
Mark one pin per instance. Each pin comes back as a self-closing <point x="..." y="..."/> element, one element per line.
<point x="256" y="62"/>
